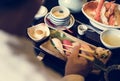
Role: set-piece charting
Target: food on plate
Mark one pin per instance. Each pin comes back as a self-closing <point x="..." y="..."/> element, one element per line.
<point x="98" y="9"/>
<point x="58" y="44"/>
<point x="103" y="11"/>
<point x="57" y="34"/>
<point x="66" y="43"/>
<point x="102" y="53"/>
<point x="38" y="32"/>
<point x="63" y="43"/>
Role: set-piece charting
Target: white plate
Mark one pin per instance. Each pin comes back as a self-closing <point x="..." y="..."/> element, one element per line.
<point x="41" y="26"/>
<point x="50" y="24"/>
<point x="96" y="23"/>
<point x="41" y="12"/>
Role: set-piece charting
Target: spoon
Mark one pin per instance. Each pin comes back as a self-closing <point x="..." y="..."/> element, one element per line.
<point x="90" y="27"/>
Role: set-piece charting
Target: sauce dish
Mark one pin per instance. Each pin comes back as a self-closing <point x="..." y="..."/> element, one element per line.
<point x="110" y="38"/>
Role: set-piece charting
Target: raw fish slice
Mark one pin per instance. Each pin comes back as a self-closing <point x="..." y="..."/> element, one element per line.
<point x="58" y="44"/>
<point x="67" y="42"/>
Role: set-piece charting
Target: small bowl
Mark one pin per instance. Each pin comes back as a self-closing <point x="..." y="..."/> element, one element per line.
<point x="82" y="29"/>
<point x="38" y="32"/>
<point x="88" y="9"/>
<point x="111" y="38"/>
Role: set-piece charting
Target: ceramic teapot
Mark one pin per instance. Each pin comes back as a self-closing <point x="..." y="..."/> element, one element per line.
<point x="73" y="5"/>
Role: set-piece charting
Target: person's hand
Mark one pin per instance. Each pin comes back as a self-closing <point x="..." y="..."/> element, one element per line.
<point x="76" y="64"/>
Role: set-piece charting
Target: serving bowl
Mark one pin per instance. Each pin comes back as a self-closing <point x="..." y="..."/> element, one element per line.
<point x="88" y="9"/>
<point x="110" y="38"/>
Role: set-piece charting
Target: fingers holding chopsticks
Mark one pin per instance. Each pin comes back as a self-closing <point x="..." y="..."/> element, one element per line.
<point x="74" y="49"/>
<point x="79" y="48"/>
<point x="78" y="63"/>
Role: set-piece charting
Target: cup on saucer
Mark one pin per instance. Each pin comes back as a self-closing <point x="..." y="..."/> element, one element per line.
<point x="60" y="16"/>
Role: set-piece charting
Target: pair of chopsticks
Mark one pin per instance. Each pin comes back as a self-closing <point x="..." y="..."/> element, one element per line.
<point x="82" y="55"/>
<point x="89" y="51"/>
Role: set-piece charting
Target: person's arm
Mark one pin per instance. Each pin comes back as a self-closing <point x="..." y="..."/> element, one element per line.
<point x="73" y="77"/>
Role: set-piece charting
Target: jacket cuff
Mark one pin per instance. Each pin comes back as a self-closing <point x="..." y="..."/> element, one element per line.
<point x="73" y="77"/>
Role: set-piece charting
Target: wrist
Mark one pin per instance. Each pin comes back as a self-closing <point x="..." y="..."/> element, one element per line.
<point x="73" y="77"/>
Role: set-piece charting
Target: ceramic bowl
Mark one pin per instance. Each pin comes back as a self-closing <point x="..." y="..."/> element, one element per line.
<point x="111" y="38"/>
<point x="59" y="15"/>
<point x="38" y="32"/>
<point x="88" y="9"/>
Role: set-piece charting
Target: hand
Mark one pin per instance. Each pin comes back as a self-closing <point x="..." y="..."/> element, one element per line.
<point x="77" y="65"/>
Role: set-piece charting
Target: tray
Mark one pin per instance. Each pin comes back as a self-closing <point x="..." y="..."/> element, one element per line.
<point x="49" y="48"/>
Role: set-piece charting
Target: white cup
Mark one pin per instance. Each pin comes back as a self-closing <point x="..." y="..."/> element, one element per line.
<point x="82" y="29"/>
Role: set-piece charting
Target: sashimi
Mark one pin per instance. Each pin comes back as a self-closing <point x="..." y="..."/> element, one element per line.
<point x="67" y="43"/>
<point x="58" y="44"/>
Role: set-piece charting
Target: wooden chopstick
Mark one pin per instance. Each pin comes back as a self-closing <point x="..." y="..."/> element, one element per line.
<point x="87" y="57"/>
<point x="66" y="50"/>
<point x="86" y="50"/>
<point x="92" y="52"/>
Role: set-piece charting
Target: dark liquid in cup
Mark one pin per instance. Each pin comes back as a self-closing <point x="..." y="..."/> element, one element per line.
<point x="114" y="75"/>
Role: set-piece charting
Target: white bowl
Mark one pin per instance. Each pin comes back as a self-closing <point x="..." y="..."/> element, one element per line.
<point x="111" y="38"/>
<point x="94" y="22"/>
<point x="38" y="32"/>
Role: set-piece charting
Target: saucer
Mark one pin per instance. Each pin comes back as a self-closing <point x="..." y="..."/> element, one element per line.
<point x="41" y="12"/>
<point x="52" y="26"/>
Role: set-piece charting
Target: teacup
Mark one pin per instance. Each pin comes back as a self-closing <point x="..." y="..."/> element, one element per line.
<point x="60" y="16"/>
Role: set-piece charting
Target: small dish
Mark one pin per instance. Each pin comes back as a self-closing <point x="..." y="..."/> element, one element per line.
<point x="41" y="12"/>
<point x="52" y="26"/>
<point x="38" y="32"/>
<point x="110" y="38"/>
<point x="82" y="29"/>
